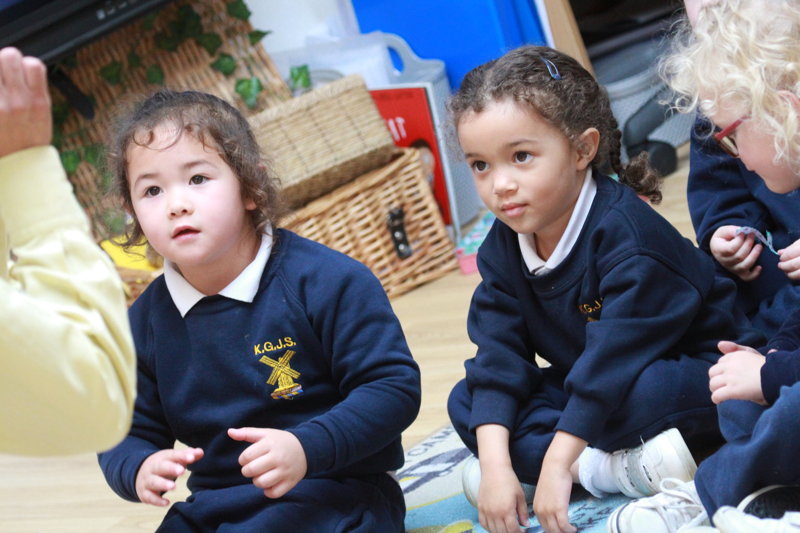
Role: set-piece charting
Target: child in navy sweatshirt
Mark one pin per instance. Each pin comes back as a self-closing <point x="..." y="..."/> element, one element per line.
<point x="728" y="204"/>
<point x="277" y="361"/>
<point x="578" y="270"/>
<point x="724" y="197"/>
<point x="739" y="67"/>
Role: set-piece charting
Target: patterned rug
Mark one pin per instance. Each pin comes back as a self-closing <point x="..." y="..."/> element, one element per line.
<point x="431" y="481"/>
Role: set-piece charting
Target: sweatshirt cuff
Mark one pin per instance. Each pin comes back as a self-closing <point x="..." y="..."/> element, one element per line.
<point x="583" y="418"/>
<point x="781" y="368"/>
<point x="318" y="445"/>
<point x="490" y="406"/>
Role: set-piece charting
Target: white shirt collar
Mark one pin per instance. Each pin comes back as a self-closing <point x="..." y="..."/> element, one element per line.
<point x="527" y="245"/>
<point x="243" y="288"/>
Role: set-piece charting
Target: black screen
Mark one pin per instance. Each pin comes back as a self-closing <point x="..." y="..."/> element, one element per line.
<point x="52" y="29"/>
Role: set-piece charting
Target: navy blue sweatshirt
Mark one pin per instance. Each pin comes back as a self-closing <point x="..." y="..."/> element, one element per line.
<point x="631" y="291"/>
<point x="721" y="191"/>
<point x="321" y="329"/>
<point x="782" y="367"/>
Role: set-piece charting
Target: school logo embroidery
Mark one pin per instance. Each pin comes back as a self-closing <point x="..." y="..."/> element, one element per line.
<point x="591" y="310"/>
<point x="284" y="375"/>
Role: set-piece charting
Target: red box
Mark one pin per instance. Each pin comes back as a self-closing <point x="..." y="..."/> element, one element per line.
<point x="407" y="113"/>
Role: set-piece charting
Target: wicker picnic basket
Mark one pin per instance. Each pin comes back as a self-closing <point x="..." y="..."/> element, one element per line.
<point x="353" y="220"/>
<point x="205" y="45"/>
<point x="323" y="139"/>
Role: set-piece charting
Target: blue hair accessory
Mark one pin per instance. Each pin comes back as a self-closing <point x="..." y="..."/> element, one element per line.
<point x="551" y="68"/>
<point x="766" y="241"/>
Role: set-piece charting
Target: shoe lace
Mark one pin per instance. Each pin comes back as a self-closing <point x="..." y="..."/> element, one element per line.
<point x="677" y="504"/>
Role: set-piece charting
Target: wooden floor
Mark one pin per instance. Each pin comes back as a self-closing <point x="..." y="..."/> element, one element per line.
<point x="69" y="495"/>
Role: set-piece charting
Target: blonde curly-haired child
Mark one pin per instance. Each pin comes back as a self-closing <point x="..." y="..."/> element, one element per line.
<point x="740" y="67"/>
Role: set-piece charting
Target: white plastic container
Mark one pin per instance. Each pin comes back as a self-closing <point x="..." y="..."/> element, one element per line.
<point x="465" y="204"/>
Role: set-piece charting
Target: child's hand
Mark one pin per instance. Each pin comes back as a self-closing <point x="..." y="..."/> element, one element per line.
<point x="790" y="260"/>
<point x="159" y="471"/>
<point x="551" y="499"/>
<point x="501" y="502"/>
<point x="736" y="253"/>
<point x="737" y="374"/>
<point x="276" y="461"/>
<point x="24" y="103"/>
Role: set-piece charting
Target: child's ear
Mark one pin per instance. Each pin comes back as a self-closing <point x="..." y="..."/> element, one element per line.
<point x="586" y="147"/>
<point x="249" y="204"/>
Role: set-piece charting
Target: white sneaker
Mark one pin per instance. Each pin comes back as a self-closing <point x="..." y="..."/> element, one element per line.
<point x="731" y="520"/>
<point x="676" y="508"/>
<point x="471" y="481"/>
<point x="638" y="472"/>
<point x="772" y="501"/>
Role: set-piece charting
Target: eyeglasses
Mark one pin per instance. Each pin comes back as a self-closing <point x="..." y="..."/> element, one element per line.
<point x="725" y="139"/>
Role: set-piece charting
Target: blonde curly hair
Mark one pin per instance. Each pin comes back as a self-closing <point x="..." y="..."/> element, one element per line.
<point x="741" y="53"/>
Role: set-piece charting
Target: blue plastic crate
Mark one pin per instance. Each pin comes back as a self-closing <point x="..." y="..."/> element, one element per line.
<point x="464" y="34"/>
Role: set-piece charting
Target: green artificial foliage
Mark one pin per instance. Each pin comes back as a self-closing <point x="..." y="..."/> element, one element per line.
<point x="225" y="63"/>
<point x="70" y="159"/>
<point x="134" y="61"/>
<point x="155" y="75"/>
<point x="184" y="24"/>
<point x="248" y="89"/>
<point x="210" y="42"/>
<point x="112" y="72"/>
<point x="238" y="9"/>
<point x="255" y="36"/>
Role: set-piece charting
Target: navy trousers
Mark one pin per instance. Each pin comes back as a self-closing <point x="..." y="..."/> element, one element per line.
<point x="355" y="505"/>
<point x="761" y="449"/>
<point x="669" y="393"/>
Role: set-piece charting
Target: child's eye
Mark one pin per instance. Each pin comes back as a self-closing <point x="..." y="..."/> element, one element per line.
<point x="152" y="191"/>
<point x="198" y="179"/>
<point x="522" y="157"/>
<point x="479" y="166"/>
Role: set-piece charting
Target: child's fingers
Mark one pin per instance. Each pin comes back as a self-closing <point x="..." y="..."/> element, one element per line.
<point x="720" y="395"/>
<point x="715" y="380"/>
<point x="752" y="274"/>
<point x="158" y="484"/>
<point x="747" y="254"/>
<point x="728" y="347"/>
<point x="173" y="463"/>
<point x="153" y="498"/>
<point x="167" y="469"/>
<point x="277" y="488"/>
<point x="247" y="434"/>
<point x="186" y="456"/>
<point x="257" y="466"/>
<point x="259" y="447"/>
<point x="522" y="511"/>
<point x="265" y="480"/>
<point x="789" y="265"/>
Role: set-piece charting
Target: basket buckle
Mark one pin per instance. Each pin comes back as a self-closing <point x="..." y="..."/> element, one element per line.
<point x="395" y="221"/>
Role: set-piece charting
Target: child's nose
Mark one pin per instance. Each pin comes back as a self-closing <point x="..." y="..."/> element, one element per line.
<point x="179" y="205"/>
<point x="504" y="182"/>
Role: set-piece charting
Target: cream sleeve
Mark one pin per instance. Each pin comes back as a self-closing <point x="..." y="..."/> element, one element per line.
<point x="67" y="362"/>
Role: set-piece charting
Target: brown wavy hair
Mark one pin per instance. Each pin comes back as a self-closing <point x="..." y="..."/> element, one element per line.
<point x="573" y="103"/>
<point x="218" y="126"/>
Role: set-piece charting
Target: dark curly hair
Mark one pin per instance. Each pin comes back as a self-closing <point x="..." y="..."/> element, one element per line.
<point x="217" y="125"/>
<point x="573" y="103"/>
